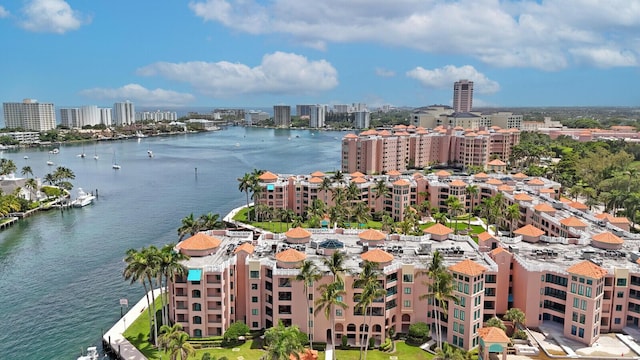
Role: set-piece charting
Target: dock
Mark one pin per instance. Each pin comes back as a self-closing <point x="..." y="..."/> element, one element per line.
<point x="114" y="342"/>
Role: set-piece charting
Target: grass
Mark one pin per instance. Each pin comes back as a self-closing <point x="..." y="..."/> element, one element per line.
<point x="403" y="351"/>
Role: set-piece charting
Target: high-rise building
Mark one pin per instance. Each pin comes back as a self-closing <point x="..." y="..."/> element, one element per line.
<point x="361" y="119"/>
<point x="29" y="115"/>
<point x="105" y="116"/>
<point x="282" y="115"/>
<point x="303" y="110"/>
<point x="317" y="116"/>
<point x="124" y="113"/>
<point x="70" y="117"/>
<point x="462" y="96"/>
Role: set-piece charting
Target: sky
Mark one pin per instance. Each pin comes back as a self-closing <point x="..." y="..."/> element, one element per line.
<point x="259" y="53"/>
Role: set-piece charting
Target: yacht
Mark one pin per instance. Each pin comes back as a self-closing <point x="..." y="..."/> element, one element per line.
<point x="92" y="354"/>
<point x="83" y="199"/>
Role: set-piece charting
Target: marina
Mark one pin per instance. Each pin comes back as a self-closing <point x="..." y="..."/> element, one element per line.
<point x="61" y="271"/>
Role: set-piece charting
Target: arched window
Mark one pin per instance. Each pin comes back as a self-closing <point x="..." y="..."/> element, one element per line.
<point x="195" y="294"/>
<point x="197" y="333"/>
<point x="406" y="318"/>
<point x="364" y="327"/>
<point x="339" y="328"/>
<point x="351" y="327"/>
<point x="377" y="328"/>
<point x="197" y="320"/>
<point x="196" y="307"/>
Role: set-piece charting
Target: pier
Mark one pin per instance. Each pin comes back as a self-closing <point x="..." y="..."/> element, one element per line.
<point x="114" y="342"/>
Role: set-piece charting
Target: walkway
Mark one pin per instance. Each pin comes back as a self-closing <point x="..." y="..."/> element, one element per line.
<point x="114" y="338"/>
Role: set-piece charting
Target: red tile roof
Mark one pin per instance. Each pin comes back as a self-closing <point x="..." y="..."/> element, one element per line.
<point x="535" y="182"/>
<point x="268" y="175"/>
<point x="519" y="176"/>
<point x="401" y="182"/>
<point x="372" y="234"/>
<point x="377" y="256"/>
<point x="607" y="237"/>
<point x="496" y="162"/>
<point x="481" y="175"/>
<point x="200" y="241"/>
<point x="297" y="233"/>
<point x="443" y="173"/>
<point x="588" y="269"/>
<point x="544" y="207"/>
<point x="458" y="183"/>
<point x="529" y="230"/>
<point x="290" y="256"/>
<point x="317" y="174"/>
<point x="468" y="267"/>
<point x="357" y="174"/>
<point x="484" y="236"/>
<point x="522" y="197"/>
<point x="315" y="180"/>
<point x="493" y="335"/>
<point x="246" y="247"/>
<point x="393" y="173"/>
<point x="438" y="229"/>
<point x="572" y="222"/>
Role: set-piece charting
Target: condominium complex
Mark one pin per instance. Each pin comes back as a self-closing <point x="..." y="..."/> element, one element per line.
<point x="317" y="116"/>
<point x="563" y="264"/>
<point x="85" y="115"/>
<point x="29" y="115"/>
<point x="156" y="116"/>
<point x="361" y="119"/>
<point x="124" y="113"/>
<point x="373" y="151"/>
<point x="462" y="96"/>
<point x="282" y="115"/>
<point x="439" y="115"/>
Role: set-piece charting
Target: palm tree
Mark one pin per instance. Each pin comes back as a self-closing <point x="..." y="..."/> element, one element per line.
<point x="330" y="298"/>
<point x="26" y="170"/>
<point x="338" y="177"/>
<point x="439" y="217"/>
<point x="472" y="192"/>
<point x="32" y="186"/>
<point x="309" y="273"/>
<point x="336" y="265"/>
<point x="440" y="289"/>
<point x="448" y="352"/>
<point x="257" y="191"/>
<point x="455" y="206"/>
<point x="372" y="290"/>
<point x="381" y="190"/>
<point x="361" y="213"/>
<point x="167" y="334"/>
<point x="317" y="208"/>
<point x="136" y="271"/>
<point x="512" y="214"/>
<point x="179" y="347"/>
<point x="516" y="316"/>
<point x="245" y="184"/>
<point x="49" y="179"/>
<point x="282" y="342"/>
<point x="7" y="166"/>
<point x="189" y="226"/>
<point x="387" y="223"/>
<point x="209" y="221"/>
<point x="326" y="187"/>
<point x="170" y="267"/>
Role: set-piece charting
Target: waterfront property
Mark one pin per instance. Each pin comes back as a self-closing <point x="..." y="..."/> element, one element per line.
<point x="563" y="264"/>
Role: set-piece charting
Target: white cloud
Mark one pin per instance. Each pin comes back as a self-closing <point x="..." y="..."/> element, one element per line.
<point x="526" y="33"/>
<point x="3" y="12"/>
<point x="444" y="77"/>
<point x="55" y="16"/>
<point x="278" y="73"/>
<point x="140" y="95"/>
<point x="605" y="58"/>
<point x="385" y="73"/>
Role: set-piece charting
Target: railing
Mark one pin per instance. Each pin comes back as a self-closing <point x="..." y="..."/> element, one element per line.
<point x="510" y="240"/>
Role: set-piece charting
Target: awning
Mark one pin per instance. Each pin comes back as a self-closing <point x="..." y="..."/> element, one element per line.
<point x="194" y="275"/>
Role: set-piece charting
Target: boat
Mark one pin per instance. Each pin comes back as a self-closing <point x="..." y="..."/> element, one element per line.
<point x="92" y="354"/>
<point x="55" y="151"/>
<point x="26" y="157"/>
<point x="115" y="165"/>
<point x="83" y="155"/>
<point x="49" y="162"/>
<point x="150" y="153"/>
<point x="83" y="199"/>
<point x="95" y="154"/>
<point x="140" y="135"/>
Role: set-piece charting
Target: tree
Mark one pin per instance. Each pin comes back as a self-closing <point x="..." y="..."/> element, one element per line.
<point x="141" y="268"/>
<point x="448" y="352"/>
<point x="282" y="341"/>
<point x="512" y="215"/>
<point x="472" y="193"/>
<point x="495" y="322"/>
<point x="167" y="334"/>
<point x="440" y="290"/>
<point x="32" y="186"/>
<point x="209" y="221"/>
<point x="330" y="297"/>
<point x="309" y="274"/>
<point x="516" y="316"/>
<point x="455" y="206"/>
<point x="7" y="166"/>
<point x="338" y="177"/>
<point x="367" y="280"/>
<point x="235" y="330"/>
<point x="179" y="347"/>
<point x="418" y="332"/>
<point x="170" y="266"/>
<point x="336" y="264"/>
<point x="26" y="170"/>
<point x="245" y="184"/>
<point x="326" y="186"/>
<point x="189" y="226"/>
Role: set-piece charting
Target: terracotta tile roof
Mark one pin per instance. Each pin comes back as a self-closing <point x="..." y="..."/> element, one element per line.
<point x="394" y="173"/>
<point x="495" y="127"/>
<point x="308" y="354"/>
<point x="572" y="222"/>
<point x="503" y="131"/>
<point x="493" y="335"/>
<point x="458" y="183"/>
<point x="359" y="180"/>
<point x="372" y="234"/>
<point x="422" y="131"/>
<point x="535" y="182"/>
<point x="315" y="180"/>
<point x="200" y="241"/>
<point x="506" y="188"/>
<point x="411" y="127"/>
<point x="468" y="267"/>
<point x="564" y="199"/>
<point x="297" y="233"/>
<point x="522" y="197"/>
<point x="369" y="132"/>
<point x="547" y="191"/>
<point x="401" y="182"/>
<point x="458" y="128"/>
<point x="351" y="136"/>
<point x="268" y="175"/>
<point x="246" y="247"/>
<point x="484" y="236"/>
<point x="544" y="207"/>
<point x="357" y="174"/>
<point x="481" y="175"/>
<point x="494" y="181"/>
<point x="496" y="162"/>
<point x="497" y="250"/>
<point x="377" y="256"/>
<point x="291" y="256"/>
<point x="519" y="176"/>
<point x="529" y="230"/>
<point x="612" y="219"/>
<point x="470" y="134"/>
<point x="416" y="174"/>
<point x="607" y="237"/>
<point x="443" y="173"/>
<point x="578" y="205"/>
<point x="384" y="133"/>
<point x="400" y="126"/>
<point x="588" y="269"/>
<point x="317" y="174"/>
<point x="438" y="229"/>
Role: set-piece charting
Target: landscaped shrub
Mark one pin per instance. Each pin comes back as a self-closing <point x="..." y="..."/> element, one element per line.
<point x="345" y="344"/>
<point x="236" y="330"/>
<point x="386" y="345"/>
<point x="372" y="342"/>
<point x="418" y="333"/>
<point x="520" y="334"/>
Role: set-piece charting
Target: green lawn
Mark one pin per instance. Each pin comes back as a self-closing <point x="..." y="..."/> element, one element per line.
<point x="403" y="351"/>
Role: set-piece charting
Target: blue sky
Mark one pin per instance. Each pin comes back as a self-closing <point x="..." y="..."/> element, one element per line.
<point x="260" y="53"/>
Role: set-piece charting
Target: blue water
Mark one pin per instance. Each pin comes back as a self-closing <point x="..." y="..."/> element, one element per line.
<point x="61" y="272"/>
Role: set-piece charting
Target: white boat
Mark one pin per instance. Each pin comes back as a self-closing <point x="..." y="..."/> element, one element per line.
<point x="92" y="354"/>
<point x="50" y="163"/>
<point x="26" y="157"/>
<point x="83" y="199"/>
<point x="150" y="153"/>
<point x="55" y="151"/>
<point x="140" y="135"/>
<point x="115" y="165"/>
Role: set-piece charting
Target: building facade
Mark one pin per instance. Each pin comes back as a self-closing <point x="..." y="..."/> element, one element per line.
<point x="282" y="115"/>
<point x="317" y="116"/>
<point x="29" y="115"/>
<point x="463" y="96"/>
<point x="124" y="113"/>
<point x="361" y="119"/>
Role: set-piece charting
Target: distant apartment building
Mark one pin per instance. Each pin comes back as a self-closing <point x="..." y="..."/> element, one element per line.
<point x="24" y="137"/>
<point x="376" y="152"/>
<point x="303" y="110"/>
<point x="463" y="96"/>
<point x="83" y="116"/>
<point x="282" y="116"/>
<point x="29" y="115"/>
<point x="317" y="116"/>
<point x="70" y="117"/>
<point x="361" y="119"/>
<point x="156" y="116"/>
<point x="105" y="116"/>
<point x="340" y="108"/>
<point x="124" y="113"/>
<point x="563" y="264"/>
<point x="253" y="117"/>
<point x="506" y="120"/>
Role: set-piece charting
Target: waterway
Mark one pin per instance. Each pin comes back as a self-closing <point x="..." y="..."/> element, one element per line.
<point x="61" y="272"/>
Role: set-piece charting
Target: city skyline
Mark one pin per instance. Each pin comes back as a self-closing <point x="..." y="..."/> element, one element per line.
<point x="221" y="53"/>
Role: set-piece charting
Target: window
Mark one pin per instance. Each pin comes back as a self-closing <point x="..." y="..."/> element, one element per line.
<point x="618" y="307"/>
<point x="574" y="330"/>
<point x="254" y="311"/>
<point x="254" y="324"/>
<point x="576" y="302"/>
<point x="196" y="307"/>
<point x="461" y="315"/>
<point x="195" y="293"/>
<point x="407" y="303"/>
<point x="254" y="274"/>
<point x="254" y="299"/>
<point x="582" y="319"/>
<point x="573" y="288"/>
<point x="338" y="312"/>
<point x="408" y="278"/>
<point x="574" y="316"/>
<point x="621" y="282"/>
<point x="588" y="292"/>
<point x="254" y="286"/>
<point x="580" y="332"/>
<point x="461" y="329"/>
<point x="456" y="313"/>
<point x="407" y="290"/>
<point x="197" y="320"/>
<point x="620" y="294"/>
<point x="583" y="304"/>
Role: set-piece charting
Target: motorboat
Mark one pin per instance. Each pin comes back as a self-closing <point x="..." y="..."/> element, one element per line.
<point x="49" y="162"/>
<point x="115" y="165"/>
<point x="92" y="354"/>
<point x="83" y="199"/>
<point x="26" y="157"/>
<point x="150" y="153"/>
<point x="140" y="135"/>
